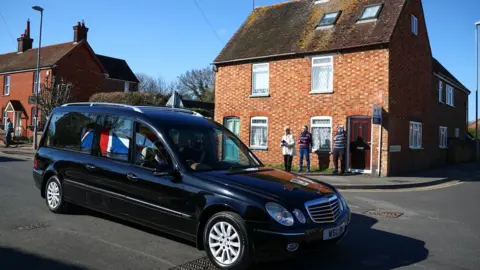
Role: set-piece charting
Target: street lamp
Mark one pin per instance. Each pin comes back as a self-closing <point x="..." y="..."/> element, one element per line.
<point x="476" y="93"/>
<point x="37" y="78"/>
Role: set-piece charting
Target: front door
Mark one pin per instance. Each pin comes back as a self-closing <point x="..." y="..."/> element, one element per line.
<point x="360" y="142"/>
<point x="231" y="150"/>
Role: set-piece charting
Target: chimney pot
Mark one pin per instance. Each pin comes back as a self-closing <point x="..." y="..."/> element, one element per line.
<point x="24" y="41"/>
<point x="80" y="32"/>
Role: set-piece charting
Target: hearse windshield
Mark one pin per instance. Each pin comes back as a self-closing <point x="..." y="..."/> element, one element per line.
<point x="207" y="148"/>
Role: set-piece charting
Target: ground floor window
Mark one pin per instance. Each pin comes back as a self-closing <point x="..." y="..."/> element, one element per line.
<point x="415" y="135"/>
<point x="259" y="132"/>
<point x="443" y="137"/>
<point x="321" y="127"/>
<point x="457" y="133"/>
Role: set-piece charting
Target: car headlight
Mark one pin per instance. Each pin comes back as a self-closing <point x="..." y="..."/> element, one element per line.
<point x="300" y="216"/>
<point x="279" y="214"/>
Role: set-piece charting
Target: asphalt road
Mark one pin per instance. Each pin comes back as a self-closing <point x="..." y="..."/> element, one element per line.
<point x="437" y="229"/>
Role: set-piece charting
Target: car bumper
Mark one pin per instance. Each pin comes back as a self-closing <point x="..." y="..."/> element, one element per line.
<point x="38" y="177"/>
<point x="272" y="244"/>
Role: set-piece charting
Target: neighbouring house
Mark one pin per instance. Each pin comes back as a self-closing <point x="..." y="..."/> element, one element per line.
<point x="326" y="63"/>
<point x="473" y="125"/>
<point x="74" y="61"/>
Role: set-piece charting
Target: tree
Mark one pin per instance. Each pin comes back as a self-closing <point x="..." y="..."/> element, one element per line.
<point x="198" y="84"/>
<point x="53" y="94"/>
<point x="149" y="84"/>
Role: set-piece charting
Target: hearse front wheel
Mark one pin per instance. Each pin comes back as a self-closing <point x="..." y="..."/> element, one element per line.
<point x="226" y="242"/>
<point x="54" y="196"/>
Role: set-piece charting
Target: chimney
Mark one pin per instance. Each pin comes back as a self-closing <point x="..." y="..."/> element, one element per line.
<point x="80" y="32"/>
<point x="24" y="41"/>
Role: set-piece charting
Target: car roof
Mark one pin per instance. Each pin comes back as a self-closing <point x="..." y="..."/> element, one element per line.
<point x="165" y="115"/>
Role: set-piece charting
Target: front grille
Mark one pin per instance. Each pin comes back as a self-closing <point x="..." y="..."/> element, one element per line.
<point x="324" y="210"/>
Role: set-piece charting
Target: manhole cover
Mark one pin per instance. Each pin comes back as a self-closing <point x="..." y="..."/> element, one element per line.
<point x="202" y="263"/>
<point x="383" y="213"/>
<point x="31" y="227"/>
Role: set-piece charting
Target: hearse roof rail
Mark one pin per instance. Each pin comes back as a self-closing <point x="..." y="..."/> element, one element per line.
<point x="135" y="108"/>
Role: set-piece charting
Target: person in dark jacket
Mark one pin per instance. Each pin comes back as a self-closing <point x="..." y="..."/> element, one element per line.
<point x="339" y="146"/>
<point x="8" y="134"/>
<point x="305" y="143"/>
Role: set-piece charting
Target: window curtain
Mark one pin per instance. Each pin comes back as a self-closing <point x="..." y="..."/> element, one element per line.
<point x="321" y="78"/>
<point x="259" y="136"/>
<point x="260" y="82"/>
<point x="321" y="138"/>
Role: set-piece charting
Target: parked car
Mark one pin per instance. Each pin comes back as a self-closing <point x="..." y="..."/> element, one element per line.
<point x="178" y="172"/>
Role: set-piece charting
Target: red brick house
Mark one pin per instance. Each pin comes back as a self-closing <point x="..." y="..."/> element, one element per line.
<point x="326" y="63"/>
<point x="74" y="61"/>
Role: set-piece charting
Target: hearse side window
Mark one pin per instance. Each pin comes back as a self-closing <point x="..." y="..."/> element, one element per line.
<point x="72" y="131"/>
<point x="115" y="137"/>
<point x="150" y="151"/>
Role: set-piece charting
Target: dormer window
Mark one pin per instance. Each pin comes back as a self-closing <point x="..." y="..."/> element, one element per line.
<point x="329" y="19"/>
<point x="370" y="12"/>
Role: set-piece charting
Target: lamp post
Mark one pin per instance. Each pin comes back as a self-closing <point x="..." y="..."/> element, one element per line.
<point x="37" y="78"/>
<point x="476" y="93"/>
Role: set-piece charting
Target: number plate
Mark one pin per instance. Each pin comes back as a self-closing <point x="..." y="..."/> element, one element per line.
<point x="333" y="232"/>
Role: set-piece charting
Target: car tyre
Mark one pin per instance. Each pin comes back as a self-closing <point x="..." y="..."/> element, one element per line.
<point x="54" y="196"/>
<point x="226" y="241"/>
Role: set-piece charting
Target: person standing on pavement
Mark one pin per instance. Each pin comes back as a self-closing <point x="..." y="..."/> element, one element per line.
<point x="288" y="149"/>
<point x="339" y="146"/>
<point x="305" y="142"/>
<point x="8" y="130"/>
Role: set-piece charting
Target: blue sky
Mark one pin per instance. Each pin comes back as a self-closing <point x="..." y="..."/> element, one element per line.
<point x="167" y="37"/>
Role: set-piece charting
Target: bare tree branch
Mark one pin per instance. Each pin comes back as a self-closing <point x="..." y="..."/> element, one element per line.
<point x="53" y="94"/>
<point x="198" y="83"/>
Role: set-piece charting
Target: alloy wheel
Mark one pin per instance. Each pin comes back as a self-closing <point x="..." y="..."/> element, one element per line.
<point x="224" y="243"/>
<point x="53" y="195"/>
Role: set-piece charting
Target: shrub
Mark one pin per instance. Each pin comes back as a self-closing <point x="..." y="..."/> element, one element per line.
<point x="140" y="99"/>
<point x="131" y="98"/>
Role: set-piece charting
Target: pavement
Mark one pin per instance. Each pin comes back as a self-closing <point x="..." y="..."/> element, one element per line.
<point x="435" y="229"/>
<point x="446" y="175"/>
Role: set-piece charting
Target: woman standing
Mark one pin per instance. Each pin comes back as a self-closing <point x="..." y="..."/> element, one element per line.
<point x="288" y="149"/>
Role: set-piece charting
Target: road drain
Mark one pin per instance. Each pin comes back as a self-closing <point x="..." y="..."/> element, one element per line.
<point x="31" y="227"/>
<point x="383" y="213"/>
<point x="200" y="264"/>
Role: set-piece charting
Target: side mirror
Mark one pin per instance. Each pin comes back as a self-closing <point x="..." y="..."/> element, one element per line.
<point x="164" y="170"/>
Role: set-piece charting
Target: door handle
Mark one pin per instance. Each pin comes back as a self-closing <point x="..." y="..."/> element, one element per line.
<point x="132" y="177"/>
<point x="90" y="167"/>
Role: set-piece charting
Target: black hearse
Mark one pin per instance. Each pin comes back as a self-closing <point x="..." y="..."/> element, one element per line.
<point x="178" y="172"/>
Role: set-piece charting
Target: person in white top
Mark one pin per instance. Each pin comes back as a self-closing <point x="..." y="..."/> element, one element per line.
<point x="288" y="149"/>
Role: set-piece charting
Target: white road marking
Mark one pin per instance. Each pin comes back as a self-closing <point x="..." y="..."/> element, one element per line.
<point x="118" y="246"/>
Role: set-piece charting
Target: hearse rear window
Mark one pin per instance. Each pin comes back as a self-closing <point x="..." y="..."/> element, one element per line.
<point x="70" y="131"/>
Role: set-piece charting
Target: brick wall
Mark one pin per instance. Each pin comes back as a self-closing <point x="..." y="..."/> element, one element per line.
<point x="411" y="93"/>
<point x="21" y="87"/>
<point x="79" y="68"/>
<point x="360" y="80"/>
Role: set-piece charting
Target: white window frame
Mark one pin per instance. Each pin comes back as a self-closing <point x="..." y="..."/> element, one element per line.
<point x="371" y="18"/>
<point x="415" y="127"/>
<point x="450" y="95"/>
<point x="443" y="133"/>
<point x="267" y="70"/>
<point x="261" y="147"/>
<point x="457" y="133"/>
<point x="440" y="91"/>
<point x="37" y="80"/>
<point x="414" y="22"/>
<point x="330" y="85"/>
<point x="6" y="85"/>
<point x="312" y="126"/>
